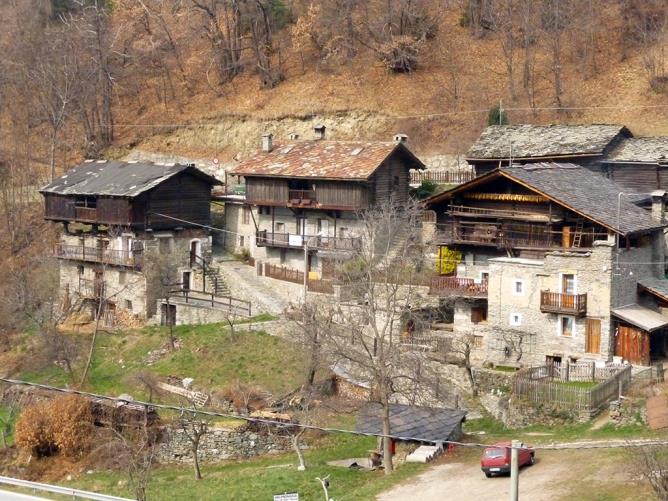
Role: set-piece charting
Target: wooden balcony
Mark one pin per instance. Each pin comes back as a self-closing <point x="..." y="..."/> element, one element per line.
<point x="458" y="287"/>
<point x="98" y="255"/>
<point x="85" y="214"/>
<point x="476" y="212"/>
<point x="563" y="304"/>
<point x="292" y="241"/>
<point x="302" y="198"/>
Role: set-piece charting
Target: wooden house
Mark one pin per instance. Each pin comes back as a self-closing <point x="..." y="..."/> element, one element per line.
<point x="639" y="164"/>
<point x="502" y="145"/>
<point x="308" y="193"/>
<point x="548" y="260"/>
<point x="121" y="217"/>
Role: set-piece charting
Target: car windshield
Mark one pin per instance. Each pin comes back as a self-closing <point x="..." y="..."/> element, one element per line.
<point x="495" y="453"/>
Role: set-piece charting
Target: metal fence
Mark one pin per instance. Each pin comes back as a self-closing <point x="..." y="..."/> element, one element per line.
<point x="55" y="489"/>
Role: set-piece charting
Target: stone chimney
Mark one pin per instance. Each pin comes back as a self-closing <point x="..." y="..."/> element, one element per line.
<point x="319" y="131"/>
<point x="293" y="136"/>
<point x="267" y="142"/>
<point x="658" y="205"/>
<point x="401" y="138"/>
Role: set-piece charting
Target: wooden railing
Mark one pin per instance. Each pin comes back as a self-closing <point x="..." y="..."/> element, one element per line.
<point x="458" y="286"/>
<point x="441" y="176"/>
<point x="297" y="277"/>
<point x="234" y="305"/>
<point x="464" y="210"/>
<point x="98" y="255"/>
<point x="301" y="196"/>
<point x="85" y="214"/>
<point x="294" y="241"/>
<point x="567" y="304"/>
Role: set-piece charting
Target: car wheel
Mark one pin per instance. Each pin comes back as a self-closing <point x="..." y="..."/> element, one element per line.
<point x="488" y="475"/>
<point x="532" y="460"/>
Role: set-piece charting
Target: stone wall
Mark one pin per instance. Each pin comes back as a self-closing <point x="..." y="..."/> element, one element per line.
<point x="220" y="444"/>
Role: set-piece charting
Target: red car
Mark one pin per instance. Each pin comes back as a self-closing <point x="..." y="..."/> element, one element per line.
<point x="496" y="459"/>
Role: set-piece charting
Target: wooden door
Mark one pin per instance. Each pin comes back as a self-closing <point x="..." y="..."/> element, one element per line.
<point x="193" y="253"/>
<point x="632" y="344"/>
<point x="98" y="284"/>
<point x="185" y="281"/>
<point x="168" y="314"/>
<point x="593" y="335"/>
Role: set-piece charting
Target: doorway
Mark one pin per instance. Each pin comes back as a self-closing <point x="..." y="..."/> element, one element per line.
<point x="185" y="280"/>
<point x="168" y="314"/>
<point x="195" y="251"/>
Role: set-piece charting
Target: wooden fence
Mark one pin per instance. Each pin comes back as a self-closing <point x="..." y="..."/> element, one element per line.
<point x="538" y="386"/>
<point x="442" y="176"/>
<point x="297" y="277"/>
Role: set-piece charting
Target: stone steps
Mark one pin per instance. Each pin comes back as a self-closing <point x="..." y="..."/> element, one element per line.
<point x="424" y="454"/>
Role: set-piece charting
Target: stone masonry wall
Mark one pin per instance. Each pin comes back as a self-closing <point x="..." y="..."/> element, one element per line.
<point x="220" y="444"/>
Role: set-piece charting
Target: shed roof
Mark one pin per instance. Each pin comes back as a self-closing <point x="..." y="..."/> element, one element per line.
<point x="120" y="179"/>
<point x="640" y="316"/>
<point x="354" y="160"/>
<point x="424" y="424"/>
<point x="543" y="141"/>
<point x="576" y="188"/>
<point x="656" y="287"/>
<point x="640" y="149"/>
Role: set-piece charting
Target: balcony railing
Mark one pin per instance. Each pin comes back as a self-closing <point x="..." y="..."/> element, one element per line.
<point x="301" y="197"/>
<point x="293" y="241"/>
<point x="85" y="214"/>
<point x="565" y="304"/>
<point x="458" y="286"/>
<point x="98" y="255"/>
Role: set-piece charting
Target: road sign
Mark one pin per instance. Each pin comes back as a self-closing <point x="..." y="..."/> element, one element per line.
<point x="288" y="496"/>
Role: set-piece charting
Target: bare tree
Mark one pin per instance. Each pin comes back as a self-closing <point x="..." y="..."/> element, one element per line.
<point x="311" y="323"/>
<point x="653" y="463"/>
<point x="555" y="17"/>
<point x="194" y="428"/>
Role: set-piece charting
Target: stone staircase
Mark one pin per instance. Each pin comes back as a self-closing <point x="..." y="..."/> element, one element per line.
<point x="424" y="454"/>
<point x="215" y="282"/>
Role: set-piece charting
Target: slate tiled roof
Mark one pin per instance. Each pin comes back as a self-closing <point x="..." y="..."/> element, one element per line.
<point x="543" y="141"/>
<point x="585" y="192"/>
<point x="323" y="159"/>
<point x="641" y="149"/>
<point x="428" y="424"/>
<point x="656" y="286"/>
<point x="114" y="178"/>
<point x="640" y="316"/>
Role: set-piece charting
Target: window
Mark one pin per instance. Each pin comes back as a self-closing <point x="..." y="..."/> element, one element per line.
<point x="85" y="201"/>
<point x="279" y="227"/>
<point x="241" y="241"/>
<point x="478" y="314"/>
<point x="515" y="319"/>
<point x="264" y="210"/>
<point x="484" y="276"/>
<point x="128" y="304"/>
<point x="566" y="326"/>
<point x="245" y="215"/>
<point x="80" y="270"/>
<point x="122" y="276"/>
<point x="477" y="342"/>
<point x="567" y="283"/>
<point x="518" y="287"/>
<point x="396" y="181"/>
<point x="343" y="232"/>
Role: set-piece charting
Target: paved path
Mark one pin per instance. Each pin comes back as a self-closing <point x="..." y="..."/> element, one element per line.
<point x="265" y="294"/>
<point x="15" y="496"/>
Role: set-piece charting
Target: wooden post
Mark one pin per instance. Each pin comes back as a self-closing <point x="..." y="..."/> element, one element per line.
<point x="593" y="371"/>
<point x="567" y="369"/>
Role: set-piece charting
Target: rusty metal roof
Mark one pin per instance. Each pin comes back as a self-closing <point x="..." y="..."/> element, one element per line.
<point x="321" y="159"/>
<point x="119" y="179"/>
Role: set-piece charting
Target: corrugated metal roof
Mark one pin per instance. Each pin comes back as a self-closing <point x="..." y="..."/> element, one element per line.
<point x="430" y="424"/>
<point x="641" y="149"/>
<point x="644" y="318"/>
<point x="322" y="159"/>
<point x="543" y="141"/>
<point x="115" y="178"/>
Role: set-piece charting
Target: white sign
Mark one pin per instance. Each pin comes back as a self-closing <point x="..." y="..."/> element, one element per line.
<point x="295" y="240"/>
<point x="290" y="496"/>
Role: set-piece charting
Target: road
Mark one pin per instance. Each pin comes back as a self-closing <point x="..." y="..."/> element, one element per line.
<point x="14" y="496"/>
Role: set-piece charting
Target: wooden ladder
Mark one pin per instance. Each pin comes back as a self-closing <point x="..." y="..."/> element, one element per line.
<point x="577" y="237"/>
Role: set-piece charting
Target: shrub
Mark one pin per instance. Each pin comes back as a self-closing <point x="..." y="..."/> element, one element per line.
<point x="63" y="425"/>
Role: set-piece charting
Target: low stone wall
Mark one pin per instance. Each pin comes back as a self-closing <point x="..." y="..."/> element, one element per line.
<point x="220" y="444"/>
<point x="630" y="411"/>
<point x="489" y="380"/>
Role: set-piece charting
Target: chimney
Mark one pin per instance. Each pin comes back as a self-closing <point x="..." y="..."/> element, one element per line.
<point x="658" y="205"/>
<point x="319" y="131"/>
<point x="400" y="138"/>
<point x="267" y="142"/>
<point x="293" y="136"/>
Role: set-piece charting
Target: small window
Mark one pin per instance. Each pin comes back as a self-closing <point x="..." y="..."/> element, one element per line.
<point x="128" y="304"/>
<point x="343" y="232"/>
<point x="80" y="270"/>
<point x="477" y="342"/>
<point x="518" y="287"/>
<point x="88" y="202"/>
<point x="264" y="210"/>
<point x="484" y="276"/>
<point x="122" y="277"/>
<point x="245" y="215"/>
<point x="164" y="245"/>
<point x="515" y="319"/>
<point x="396" y="181"/>
<point x="478" y="314"/>
<point x="279" y="227"/>
<point x="567" y="326"/>
<point x="241" y="241"/>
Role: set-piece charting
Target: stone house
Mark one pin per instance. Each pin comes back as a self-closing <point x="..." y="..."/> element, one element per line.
<point x="308" y="193"/>
<point x="548" y="262"/>
<point x="584" y="145"/>
<point x="127" y="226"/>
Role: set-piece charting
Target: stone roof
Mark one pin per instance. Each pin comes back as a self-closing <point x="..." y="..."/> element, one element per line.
<point x="543" y="141"/>
<point x="640" y="316"/>
<point x="424" y="424"/>
<point x="576" y="188"/>
<point x="640" y="149"/>
<point x="120" y="179"/>
<point x="320" y="159"/>
<point x="655" y="286"/>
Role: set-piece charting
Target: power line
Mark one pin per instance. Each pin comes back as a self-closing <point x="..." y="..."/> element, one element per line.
<point x="618" y="444"/>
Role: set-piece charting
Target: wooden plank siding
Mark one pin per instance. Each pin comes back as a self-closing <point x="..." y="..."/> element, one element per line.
<point x="184" y="197"/>
<point x="391" y="181"/>
<point x="328" y="194"/>
<point x="266" y="191"/>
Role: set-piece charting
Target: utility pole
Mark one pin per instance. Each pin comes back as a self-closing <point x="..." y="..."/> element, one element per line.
<point x="514" y="470"/>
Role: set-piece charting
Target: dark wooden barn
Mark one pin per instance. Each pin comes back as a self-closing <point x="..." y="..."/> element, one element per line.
<point x="136" y="195"/>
